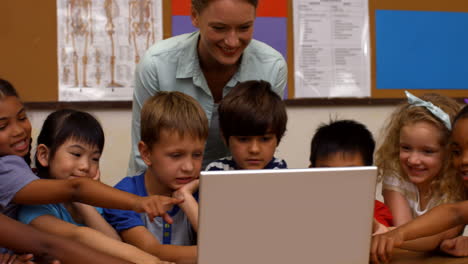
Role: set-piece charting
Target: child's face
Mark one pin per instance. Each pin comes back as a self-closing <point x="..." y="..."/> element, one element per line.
<point x="74" y="159"/>
<point x="15" y="128"/>
<point x="421" y="154"/>
<point x="253" y="152"/>
<point x="460" y="148"/>
<point x="174" y="160"/>
<point x="341" y="159"/>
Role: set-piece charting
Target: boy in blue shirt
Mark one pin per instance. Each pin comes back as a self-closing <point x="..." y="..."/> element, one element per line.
<point x="253" y="120"/>
<point x="174" y="129"/>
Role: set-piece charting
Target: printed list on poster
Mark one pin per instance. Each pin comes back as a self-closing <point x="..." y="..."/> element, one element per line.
<point x="331" y="47"/>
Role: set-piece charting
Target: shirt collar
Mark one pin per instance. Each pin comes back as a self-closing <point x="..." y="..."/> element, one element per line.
<point x="272" y="164"/>
<point x="188" y="64"/>
<point x="246" y="73"/>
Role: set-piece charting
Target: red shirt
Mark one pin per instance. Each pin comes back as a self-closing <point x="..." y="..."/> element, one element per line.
<point x="382" y="214"/>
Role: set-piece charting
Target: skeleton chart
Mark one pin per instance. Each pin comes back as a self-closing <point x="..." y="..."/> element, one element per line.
<point x="99" y="44"/>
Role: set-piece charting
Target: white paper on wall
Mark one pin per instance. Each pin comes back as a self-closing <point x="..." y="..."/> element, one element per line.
<point x="331" y="48"/>
<point x="99" y="44"/>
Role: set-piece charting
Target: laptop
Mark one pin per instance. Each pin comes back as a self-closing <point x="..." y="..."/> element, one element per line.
<point x="319" y="215"/>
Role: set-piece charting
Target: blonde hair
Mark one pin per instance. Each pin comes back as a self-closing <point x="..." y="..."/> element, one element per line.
<point x="173" y="111"/>
<point x="446" y="185"/>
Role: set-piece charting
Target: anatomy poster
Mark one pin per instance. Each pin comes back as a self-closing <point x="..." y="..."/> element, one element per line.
<point x="99" y="44"/>
<point x="331" y="48"/>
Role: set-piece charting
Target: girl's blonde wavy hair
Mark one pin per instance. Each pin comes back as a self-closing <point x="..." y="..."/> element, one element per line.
<point x="446" y="185"/>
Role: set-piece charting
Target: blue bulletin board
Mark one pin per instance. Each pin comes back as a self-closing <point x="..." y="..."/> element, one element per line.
<point x="419" y="45"/>
<point x="421" y="49"/>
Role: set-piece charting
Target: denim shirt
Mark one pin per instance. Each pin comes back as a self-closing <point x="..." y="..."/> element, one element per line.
<point x="173" y="65"/>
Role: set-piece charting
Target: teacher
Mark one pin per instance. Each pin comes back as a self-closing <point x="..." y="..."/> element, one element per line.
<point x="206" y="65"/>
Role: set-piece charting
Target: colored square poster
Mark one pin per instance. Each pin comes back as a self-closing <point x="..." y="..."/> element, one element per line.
<point x="421" y="49"/>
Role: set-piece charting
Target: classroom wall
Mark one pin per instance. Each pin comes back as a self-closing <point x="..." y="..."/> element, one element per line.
<point x="294" y="147"/>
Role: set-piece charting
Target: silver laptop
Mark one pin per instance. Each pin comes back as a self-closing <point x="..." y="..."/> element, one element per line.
<point x="320" y="215"/>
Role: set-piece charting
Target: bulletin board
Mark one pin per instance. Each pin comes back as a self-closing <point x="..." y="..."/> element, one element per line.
<point x="28" y="44"/>
<point x="28" y="41"/>
<point x="422" y="50"/>
<point x="28" y="48"/>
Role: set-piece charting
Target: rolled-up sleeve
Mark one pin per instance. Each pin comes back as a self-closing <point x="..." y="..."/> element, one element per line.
<point x="14" y="175"/>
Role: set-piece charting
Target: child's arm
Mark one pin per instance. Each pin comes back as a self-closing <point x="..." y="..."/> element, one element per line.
<point x="23" y="238"/>
<point x="437" y="220"/>
<point x="399" y="207"/>
<point x="428" y="243"/>
<point x="189" y="204"/>
<point x="93" y="239"/>
<point x="142" y="238"/>
<point x="94" y="193"/>
<point x="93" y="219"/>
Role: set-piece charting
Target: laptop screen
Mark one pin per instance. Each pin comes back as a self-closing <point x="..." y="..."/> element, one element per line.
<point x="283" y="216"/>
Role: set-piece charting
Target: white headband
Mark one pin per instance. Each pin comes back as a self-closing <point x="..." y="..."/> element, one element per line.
<point x="435" y="110"/>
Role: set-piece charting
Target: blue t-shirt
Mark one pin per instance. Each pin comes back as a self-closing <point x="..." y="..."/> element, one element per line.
<point x="28" y="213"/>
<point x="228" y="163"/>
<point x="179" y="233"/>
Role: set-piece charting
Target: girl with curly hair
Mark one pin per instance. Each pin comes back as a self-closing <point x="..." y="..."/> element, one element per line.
<point x="414" y="161"/>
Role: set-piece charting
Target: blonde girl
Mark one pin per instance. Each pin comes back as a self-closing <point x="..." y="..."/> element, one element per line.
<point x="440" y="218"/>
<point x="413" y="159"/>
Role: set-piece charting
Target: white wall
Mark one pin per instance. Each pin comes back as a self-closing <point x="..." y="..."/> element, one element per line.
<point x="294" y="147"/>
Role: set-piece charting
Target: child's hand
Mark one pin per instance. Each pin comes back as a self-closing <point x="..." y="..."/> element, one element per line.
<point x="457" y="246"/>
<point x="187" y="189"/>
<point x="156" y="205"/>
<point x="382" y="246"/>
<point x="26" y="259"/>
<point x="16" y="259"/>
<point x="378" y="228"/>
